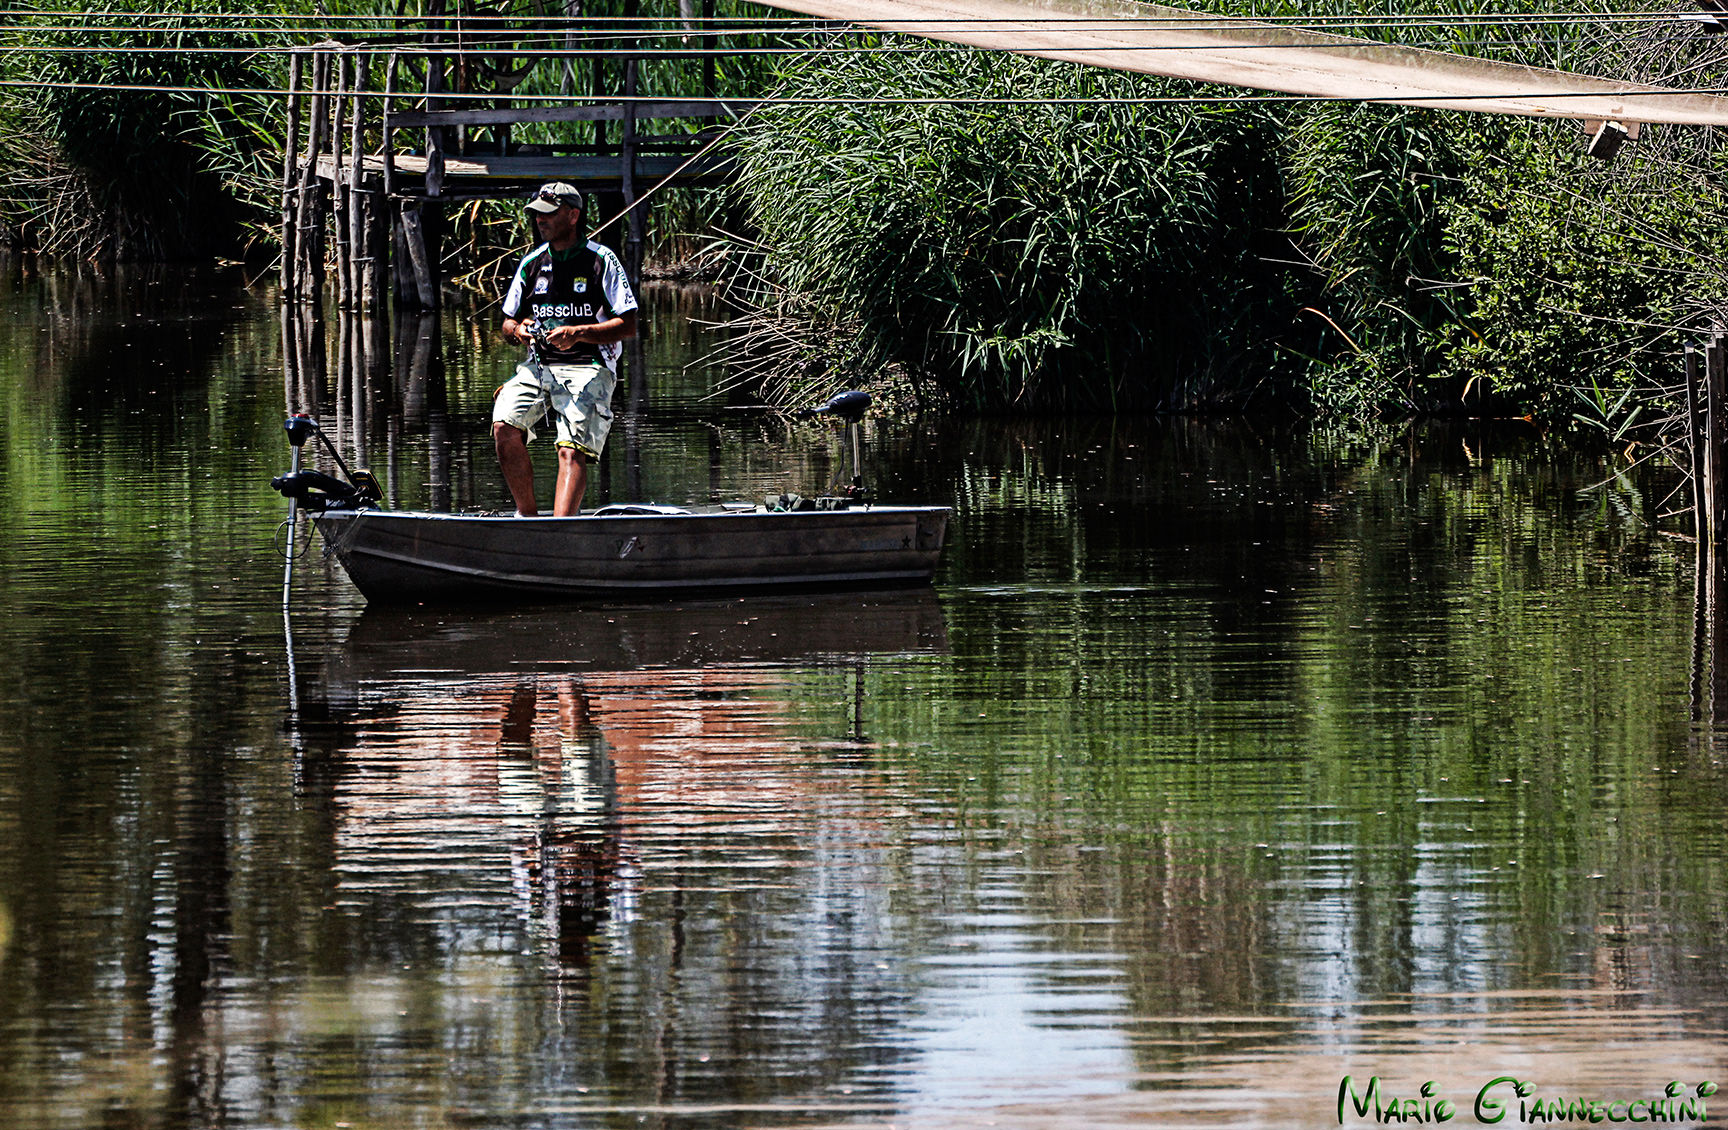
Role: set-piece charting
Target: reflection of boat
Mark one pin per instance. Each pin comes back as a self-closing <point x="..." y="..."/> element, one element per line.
<point x="388" y="643"/>
<point x="629" y="551"/>
<point x="500" y="779"/>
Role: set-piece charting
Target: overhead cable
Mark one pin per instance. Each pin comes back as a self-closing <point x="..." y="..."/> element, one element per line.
<point x="583" y="99"/>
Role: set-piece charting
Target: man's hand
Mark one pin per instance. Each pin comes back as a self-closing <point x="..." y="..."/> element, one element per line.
<point x="565" y="338"/>
<point x="518" y="332"/>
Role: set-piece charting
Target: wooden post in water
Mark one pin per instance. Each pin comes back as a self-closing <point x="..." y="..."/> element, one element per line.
<point x="358" y="253"/>
<point x="386" y="142"/>
<point x="417" y="240"/>
<point x="434" y="134"/>
<point x="1715" y="435"/>
<point x="627" y="147"/>
<point x="419" y="255"/>
<point x="290" y="159"/>
<point x="339" y="201"/>
<point x="1713" y="497"/>
<point x="1695" y="441"/>
<point x="308" y="204"/>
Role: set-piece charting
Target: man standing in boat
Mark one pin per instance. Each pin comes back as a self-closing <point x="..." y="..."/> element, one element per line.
<point x="570" y="302"/>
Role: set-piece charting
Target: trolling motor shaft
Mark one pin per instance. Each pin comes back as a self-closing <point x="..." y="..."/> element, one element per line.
<point x="849" y="406"/>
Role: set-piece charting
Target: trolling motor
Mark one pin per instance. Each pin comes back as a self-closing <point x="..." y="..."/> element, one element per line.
<point x="314" y="491"/>
<point x="849" y="407"/>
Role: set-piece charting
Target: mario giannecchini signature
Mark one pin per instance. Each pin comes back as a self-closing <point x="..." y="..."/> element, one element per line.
<point x="1506" y="1095"/>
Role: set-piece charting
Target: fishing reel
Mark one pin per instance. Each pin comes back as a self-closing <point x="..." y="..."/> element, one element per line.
<point x="537" y="334"/>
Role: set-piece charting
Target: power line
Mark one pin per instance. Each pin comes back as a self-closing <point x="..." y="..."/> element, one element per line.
<point x="536" y="48"/>
<point x="286" y="22"/>
<point x="1146" y="100"/>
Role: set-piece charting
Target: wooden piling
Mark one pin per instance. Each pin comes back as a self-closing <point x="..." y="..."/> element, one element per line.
<point x="1695" y="441"/>
<point x="1711" y="491"/>
<point x="290" y="161"/>
<point x="627" y="175"/>
<point x="365" y="221"/>
<point x="434" y="134"/>
<point x="308" y="216"/>
<point x="357" y="205"/>
<point x="386" y="143"/>
<point x="420" y="257"/>
<point x="339" y="202"/>
<point x="1715" y="435"/>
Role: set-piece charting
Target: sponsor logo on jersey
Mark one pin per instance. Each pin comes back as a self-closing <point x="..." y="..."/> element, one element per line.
<point x="542" y="284"/>
<point x="581" y="286"/>
<point x="563" y="310"/>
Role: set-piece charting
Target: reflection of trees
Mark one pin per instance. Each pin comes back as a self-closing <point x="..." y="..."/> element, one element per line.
<point x="1399" y="669"/>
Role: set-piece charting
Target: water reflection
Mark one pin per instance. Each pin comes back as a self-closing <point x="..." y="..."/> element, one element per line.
<point x="1228" y="760"/>
<point x="479" y="766"/>
<point x="501" y="790"/>
<point x="472" y="816"/>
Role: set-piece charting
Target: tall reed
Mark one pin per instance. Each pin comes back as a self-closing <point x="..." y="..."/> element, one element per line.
<point x="1046" y="256"/>
<point x="154" y="174"/>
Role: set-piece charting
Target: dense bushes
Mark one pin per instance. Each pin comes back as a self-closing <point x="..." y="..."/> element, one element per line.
<point x="1077" y="256"/>
<point x="143" y="131"/>
<point x="88" y="167"/>
<point x="1103" y="250"/>
<point x="1350" y="259"/>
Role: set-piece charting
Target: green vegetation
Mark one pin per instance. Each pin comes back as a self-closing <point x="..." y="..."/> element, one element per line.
<point x="1074" y="256"/>
<point x="140" y="131"/>
<point x="176" y="172"/>
<point x="1112" y="252"/>
<point x="1350" y="259"/>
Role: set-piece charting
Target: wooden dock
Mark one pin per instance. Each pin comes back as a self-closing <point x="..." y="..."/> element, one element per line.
<point x="370" y="166"/>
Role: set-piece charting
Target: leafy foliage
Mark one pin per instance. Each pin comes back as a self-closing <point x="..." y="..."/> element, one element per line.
<point x="1366" y="188"/>
<point x="1062" y="255"/>
<point x="162" y="173"/>
<point x="1578" y="279"/>
<point x="1359" y="259"/>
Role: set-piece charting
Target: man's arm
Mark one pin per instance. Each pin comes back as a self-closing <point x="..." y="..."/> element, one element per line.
<point x="616" y="328"/>
<point x="514" y="329"/>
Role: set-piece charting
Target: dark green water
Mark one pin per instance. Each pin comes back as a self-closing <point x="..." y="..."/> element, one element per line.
<point x="1222" y="762"/>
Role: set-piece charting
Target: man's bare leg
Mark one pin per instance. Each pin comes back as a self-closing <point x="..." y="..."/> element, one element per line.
<point x="572" y="482"/>
<point x="511" y="444"/>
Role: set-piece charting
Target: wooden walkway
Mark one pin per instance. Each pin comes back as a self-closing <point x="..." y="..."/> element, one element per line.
<point x="1177" y="43"/>
<point x="491" y="177"/>
<point x="369" y="168"/>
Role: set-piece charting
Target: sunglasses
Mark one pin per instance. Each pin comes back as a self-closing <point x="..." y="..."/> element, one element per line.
<point x="556" y="198"/>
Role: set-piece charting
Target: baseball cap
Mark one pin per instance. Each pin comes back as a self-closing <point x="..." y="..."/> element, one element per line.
<point x="548" y="197"/>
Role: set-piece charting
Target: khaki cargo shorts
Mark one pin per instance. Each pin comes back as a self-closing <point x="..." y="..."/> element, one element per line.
<point x="577" y="397"/>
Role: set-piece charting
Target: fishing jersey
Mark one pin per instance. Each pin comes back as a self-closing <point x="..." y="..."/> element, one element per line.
<point x="582" y="286"/>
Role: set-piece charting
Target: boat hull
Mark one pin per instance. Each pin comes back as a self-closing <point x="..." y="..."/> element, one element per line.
<point x="396" y="557"/>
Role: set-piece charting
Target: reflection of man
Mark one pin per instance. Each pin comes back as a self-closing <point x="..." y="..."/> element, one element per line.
<point x="571" y="862"/>
<point x="571" y="302"/>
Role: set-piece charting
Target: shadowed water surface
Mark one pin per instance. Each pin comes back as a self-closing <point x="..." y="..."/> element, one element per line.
<point x="1221" y="763"/>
